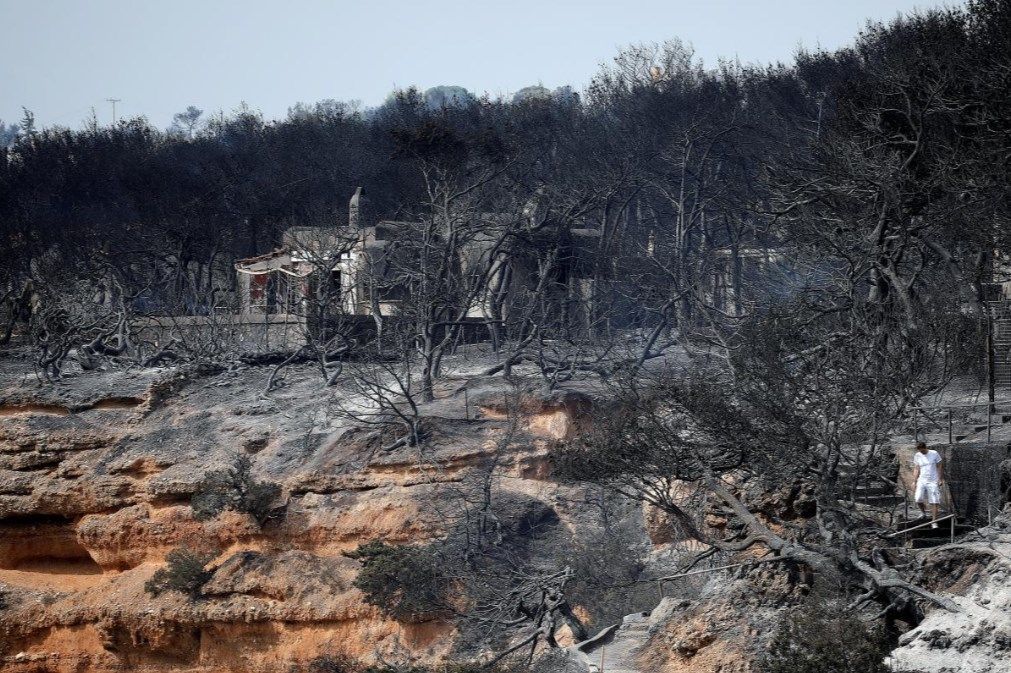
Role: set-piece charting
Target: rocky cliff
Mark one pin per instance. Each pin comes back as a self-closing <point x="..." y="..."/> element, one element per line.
<point x="976" y="571"/>
<point x="97" y="481"/>
<point x="97" y="474"/>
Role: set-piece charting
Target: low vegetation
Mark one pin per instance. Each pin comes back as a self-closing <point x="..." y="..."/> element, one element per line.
<point x="234" y="489"/>
<point x="817" y="639"/>
<point x="343" y="663"/>
<point x="185" y="572"/>
<point x="402" y="581"/>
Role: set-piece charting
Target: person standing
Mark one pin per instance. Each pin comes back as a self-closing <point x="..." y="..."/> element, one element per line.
<point x="929" y="475"/>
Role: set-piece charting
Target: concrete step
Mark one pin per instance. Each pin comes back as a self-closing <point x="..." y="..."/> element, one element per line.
<point x="930" y="542"/>
<point x="880" y="500"/>
<point x="876" y="493"/>
<point x="635" y="626"/>
<point x="943" y="529"/>
<point x="960" y="529"/>
<point x="867" y="491"/>
<point x="914" y="519"/>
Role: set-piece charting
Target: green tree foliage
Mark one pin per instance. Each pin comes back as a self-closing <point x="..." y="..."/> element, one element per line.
<point x="402" y="581"/>
<point x="185" y="573"/>
<point x="235" y="489"/>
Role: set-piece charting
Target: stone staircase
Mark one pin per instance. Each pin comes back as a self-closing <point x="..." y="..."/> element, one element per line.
<point x="616" y="648"/>
<point x="877" y="495"/>
<point x="869" y="489"/>
<point x="927" y="537"/>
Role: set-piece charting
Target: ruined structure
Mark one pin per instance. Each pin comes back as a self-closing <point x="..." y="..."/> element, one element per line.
<point x="369" y="265"/>
<point x="737" y="273"/>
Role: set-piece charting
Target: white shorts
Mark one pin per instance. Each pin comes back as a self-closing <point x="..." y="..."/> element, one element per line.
<point x="929" y="492"/>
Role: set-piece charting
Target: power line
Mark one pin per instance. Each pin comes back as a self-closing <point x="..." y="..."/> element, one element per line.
<point x="113" y="101"/>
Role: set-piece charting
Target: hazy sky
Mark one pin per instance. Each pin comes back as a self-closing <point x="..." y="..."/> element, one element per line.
<point x="61" y="58"/>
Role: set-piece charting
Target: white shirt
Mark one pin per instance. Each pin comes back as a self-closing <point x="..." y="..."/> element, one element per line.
<point x="927" y="462"/>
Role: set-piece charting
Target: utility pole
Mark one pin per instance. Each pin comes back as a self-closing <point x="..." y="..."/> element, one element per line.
<point x="991" y="384"/>
<point x="113" y="101"/>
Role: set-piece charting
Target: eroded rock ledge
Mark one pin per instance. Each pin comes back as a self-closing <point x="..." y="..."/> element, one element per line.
<point x="96" y="477"/>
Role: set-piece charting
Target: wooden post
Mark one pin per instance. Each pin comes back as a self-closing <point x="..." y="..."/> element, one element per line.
<point x="949" y="426"/>
<point x="991" y="384"/>
<point x="602" y="648"/>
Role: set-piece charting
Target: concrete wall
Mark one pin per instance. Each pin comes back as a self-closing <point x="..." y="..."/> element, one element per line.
<point x="246" y="333"/>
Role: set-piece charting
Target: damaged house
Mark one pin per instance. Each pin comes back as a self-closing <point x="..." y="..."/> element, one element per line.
<point x="369" y="269"/>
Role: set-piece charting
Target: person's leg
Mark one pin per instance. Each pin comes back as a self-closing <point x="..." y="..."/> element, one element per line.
<point x="920" y="496"/>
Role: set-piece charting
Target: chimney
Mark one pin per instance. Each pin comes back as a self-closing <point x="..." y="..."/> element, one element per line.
<point x="358" y="210"/>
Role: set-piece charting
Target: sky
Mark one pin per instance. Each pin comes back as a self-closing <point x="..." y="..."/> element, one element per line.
<point x="63" y="58"/>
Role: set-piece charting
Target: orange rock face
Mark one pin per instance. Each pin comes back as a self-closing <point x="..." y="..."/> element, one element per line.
<point x="96" y="478"/>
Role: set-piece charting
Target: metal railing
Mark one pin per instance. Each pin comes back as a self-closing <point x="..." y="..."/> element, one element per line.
<point x="970" y="460"/>
<point x="933" y="522"/>
<point x="948" y="414"/>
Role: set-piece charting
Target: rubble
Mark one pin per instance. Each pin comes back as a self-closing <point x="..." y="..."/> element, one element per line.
<point x="978" y="639"/>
